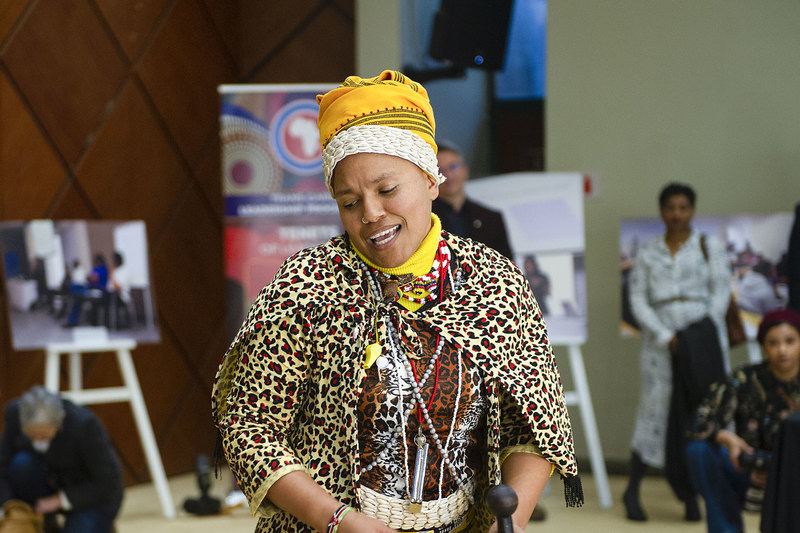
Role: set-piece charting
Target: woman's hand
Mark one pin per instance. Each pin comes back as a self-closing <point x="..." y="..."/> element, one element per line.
<point x="735" y="445"/>
<point x="673" y="345"/>
<point x="47" y="505"/>
<point x="355" y="522"/>
<point x="527" y="474"/>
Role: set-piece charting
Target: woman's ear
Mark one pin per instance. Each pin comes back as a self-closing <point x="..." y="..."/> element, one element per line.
<point x="433" y="187"/>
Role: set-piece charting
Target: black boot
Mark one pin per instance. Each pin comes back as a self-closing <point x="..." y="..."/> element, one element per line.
<point x="692" y="510"/>
<point x="633" y="507"/>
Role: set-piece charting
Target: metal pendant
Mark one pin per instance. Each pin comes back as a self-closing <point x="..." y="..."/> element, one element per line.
<point x="420" y="466"/>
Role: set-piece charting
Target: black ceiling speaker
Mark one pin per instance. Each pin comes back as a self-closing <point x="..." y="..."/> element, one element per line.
<point x="471" y="33"/>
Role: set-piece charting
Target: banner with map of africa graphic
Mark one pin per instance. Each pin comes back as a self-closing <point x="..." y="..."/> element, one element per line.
<point x="275" y="198"/>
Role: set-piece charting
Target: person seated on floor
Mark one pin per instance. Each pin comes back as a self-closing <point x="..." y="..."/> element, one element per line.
<point x="57" y="457"/>
<point x="728" y="467"/>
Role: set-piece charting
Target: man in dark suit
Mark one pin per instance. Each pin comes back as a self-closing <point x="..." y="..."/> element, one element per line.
<point x="57" y="457"/>
<point x="460" y="215"/>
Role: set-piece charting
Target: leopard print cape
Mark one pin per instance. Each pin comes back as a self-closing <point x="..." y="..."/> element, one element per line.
<point x="287" y="389"/>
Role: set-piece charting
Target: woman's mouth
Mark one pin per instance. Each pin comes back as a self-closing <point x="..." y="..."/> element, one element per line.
<point x="384" y="237"/>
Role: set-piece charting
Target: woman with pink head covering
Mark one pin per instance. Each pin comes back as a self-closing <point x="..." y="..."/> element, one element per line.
<point x="738" y="421"/>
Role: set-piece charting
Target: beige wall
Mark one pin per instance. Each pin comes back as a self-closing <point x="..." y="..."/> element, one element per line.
<point x="643" y="92"/>
<point x="378" y="30"/>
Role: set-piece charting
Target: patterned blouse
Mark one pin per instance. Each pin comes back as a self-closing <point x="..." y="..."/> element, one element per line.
<point x="458" y="412"/>
<point x="754" y="400"/>
<point x="289" y="390"/>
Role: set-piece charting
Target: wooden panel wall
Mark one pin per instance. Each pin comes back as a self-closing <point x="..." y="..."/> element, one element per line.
<point x="108" y="110"/>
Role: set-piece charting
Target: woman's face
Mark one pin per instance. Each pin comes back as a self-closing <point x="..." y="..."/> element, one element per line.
<point x="393" y="196"/>
<point x="40" y="432"/>
<point x="782" y="346"/>
<point x="530" y="266"/>
<point x="677" y="213"/>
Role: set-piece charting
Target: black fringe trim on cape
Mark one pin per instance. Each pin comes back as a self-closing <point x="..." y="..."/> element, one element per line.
<point x="218" y="458"/>
<point x="573" y="491"/>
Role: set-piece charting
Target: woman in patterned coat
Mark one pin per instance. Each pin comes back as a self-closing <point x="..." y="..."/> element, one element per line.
<point x="742" y="415"/>
<point x="383" y="380"/>
<point x="672" y="285"/>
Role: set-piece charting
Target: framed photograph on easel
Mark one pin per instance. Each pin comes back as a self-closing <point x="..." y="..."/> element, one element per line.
<point x="66" y="278"/>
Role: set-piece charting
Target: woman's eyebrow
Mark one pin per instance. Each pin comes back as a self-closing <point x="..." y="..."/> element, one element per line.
<point x="375" y="181"/>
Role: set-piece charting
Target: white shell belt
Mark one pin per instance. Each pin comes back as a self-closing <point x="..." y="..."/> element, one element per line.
<point x="435" y="513"/>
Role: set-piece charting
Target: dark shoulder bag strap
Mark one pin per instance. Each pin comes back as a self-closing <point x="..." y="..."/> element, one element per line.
<point x="703" y="246"/>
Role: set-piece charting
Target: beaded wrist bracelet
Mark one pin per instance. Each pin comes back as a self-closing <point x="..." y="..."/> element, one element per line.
<point x="336" y="519"/>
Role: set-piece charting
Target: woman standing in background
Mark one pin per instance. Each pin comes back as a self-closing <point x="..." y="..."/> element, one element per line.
<point x="674" y="282"/>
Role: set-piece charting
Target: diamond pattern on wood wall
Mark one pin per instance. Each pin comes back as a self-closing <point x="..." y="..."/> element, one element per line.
<point x="28" y="164"/>
<point x="68" y="67"/>
<point x="181" y="71"/>
<point x="132" y="22"/>
<point x="294" y="56"/>
<point x="110" y="111"/>
<point x="132" y="143"/>
<point x="10" y="12"/>
<point x="283" y="55"/>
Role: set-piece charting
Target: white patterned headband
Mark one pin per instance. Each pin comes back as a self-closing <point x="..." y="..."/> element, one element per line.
<point x="379" y="140"/>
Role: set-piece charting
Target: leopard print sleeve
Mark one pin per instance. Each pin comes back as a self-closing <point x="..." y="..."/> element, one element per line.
<point x="265" y="389"/>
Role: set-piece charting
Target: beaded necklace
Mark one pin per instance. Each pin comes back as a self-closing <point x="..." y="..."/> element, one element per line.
<point x="400" y="359"/>
<point x="419" y="290"/>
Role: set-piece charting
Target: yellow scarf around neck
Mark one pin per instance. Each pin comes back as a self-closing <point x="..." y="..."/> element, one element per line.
<point x="418" y="264"/>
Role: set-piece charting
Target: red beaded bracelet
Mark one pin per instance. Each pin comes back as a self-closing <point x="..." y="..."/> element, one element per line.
<point x="336" y="519"/>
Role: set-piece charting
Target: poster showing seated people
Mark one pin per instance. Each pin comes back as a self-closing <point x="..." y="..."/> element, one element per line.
<point x="70" y="279"/>
<point x="276" y="201"/>
<point x="757" y="251"/>
<point x="543" y="215"/>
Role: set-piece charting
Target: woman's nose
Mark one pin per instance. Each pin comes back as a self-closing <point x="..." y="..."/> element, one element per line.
<point x="373" y="211"/>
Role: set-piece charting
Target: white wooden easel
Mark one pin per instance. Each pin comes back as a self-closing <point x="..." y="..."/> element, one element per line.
<point x="129" y="392"/>
<point x="754" y="352"/>
<point x="581" y="397"/>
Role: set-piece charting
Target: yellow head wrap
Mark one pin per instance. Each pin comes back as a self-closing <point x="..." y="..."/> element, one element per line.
<point x="388" y="114"/>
